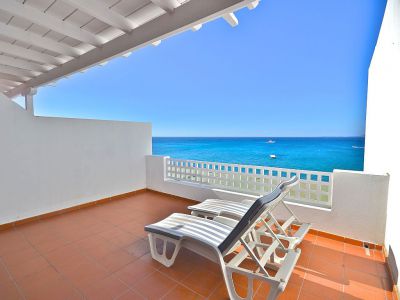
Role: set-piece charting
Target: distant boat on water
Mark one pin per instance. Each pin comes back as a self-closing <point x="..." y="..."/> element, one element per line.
<point x="273" y="156"/>
<point x="270" y="142"/>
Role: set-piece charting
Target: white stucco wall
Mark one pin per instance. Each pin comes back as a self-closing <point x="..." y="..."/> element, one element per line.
<point x="47" y="164"/>
<point x="383" y="111"/>
<point x="358" y="201"/>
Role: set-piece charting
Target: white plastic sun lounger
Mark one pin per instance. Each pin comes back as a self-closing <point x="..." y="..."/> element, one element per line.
<point x="211" y="208"/>
<point x="214" y="239"/>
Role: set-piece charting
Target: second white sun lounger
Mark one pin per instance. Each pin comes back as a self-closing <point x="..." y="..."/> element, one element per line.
<point x="211" y="208"/>
<point x="214" y="239"/>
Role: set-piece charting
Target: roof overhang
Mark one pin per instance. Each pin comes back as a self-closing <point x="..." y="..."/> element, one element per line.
<point x="29" y="59"/>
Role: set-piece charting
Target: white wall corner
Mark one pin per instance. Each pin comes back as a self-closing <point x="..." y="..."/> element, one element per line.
<point x="381" y="149"/>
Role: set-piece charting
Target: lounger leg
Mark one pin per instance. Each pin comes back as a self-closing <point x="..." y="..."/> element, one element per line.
<point x="230" y="285"/>
<point x="162" y="257"/>
<point x="275" y="289"/>
<point x="273" y="293"/>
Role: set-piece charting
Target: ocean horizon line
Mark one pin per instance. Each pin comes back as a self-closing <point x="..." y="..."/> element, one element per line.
<point x="253" y="137"/>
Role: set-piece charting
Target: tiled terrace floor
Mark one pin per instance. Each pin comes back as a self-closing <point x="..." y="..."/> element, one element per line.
<point x="101" y="252"/>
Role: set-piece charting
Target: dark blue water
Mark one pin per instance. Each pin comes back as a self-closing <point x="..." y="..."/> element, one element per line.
<point x="320" y="154"/>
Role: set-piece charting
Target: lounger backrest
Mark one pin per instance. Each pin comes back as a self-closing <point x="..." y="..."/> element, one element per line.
<point x="261" y="205"/>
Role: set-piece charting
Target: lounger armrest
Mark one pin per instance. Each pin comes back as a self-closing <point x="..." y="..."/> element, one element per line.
<point x="226" y="221"/>
<point x="286" y="269"/>
<point x="230" y="215"/>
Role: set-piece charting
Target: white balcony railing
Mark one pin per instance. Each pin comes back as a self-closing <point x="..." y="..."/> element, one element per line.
<point x="315" y="188"/>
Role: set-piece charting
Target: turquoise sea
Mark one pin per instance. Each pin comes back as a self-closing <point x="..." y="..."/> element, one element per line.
<point x="320" y="154"/>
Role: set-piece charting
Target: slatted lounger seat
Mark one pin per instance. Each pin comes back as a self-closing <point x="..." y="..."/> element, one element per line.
<point x="211" y="208"/>
<point x="215" y="239"/>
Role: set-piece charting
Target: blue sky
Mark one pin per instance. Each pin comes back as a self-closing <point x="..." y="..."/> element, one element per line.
<point x="291" y="68"/>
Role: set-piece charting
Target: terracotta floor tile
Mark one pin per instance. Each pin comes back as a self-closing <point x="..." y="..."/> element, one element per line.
<point x="8" y="288"/>
<point x="362" y="284"/>
<point x="41" y="237"/>
<point x="320" y="283"/>
<point x="303" y="260"/>
<point x="388" y="288"/>
<point x="179" y="270"/>
<point x="116" y="260"/>
<point x="203" y="281"/>
<point x="150" y="261"/>
<point x="310" y="237"/>
<point x="119" y="237"/>
<point x="66" y="256"/>
<point x="297" y="276"/>
<point x="324" y="278"/>
<point x="323" y="268"/>
<point x="85" y="274"/>
<point x="100" y="250"/>
<point x="306" y="295"/>
<point x="19" y="256"/>
<point x="108" y="288"/>
<point x="48" y="284"/>
<point x="330" y="255"/>
<point x="4" y="275"/>
<point x="130" y="295"/>
<point x="291" y="292"/>
<point x="181" y="292"/>
<point x="89" y="242"/>
<point x="368" y="281"/>
<point x="306" y="247"/>
<point x="154" y="286"/>
<point x="379" y="256"/>
<point x="138" y="248"/>
<point x="221" y="292"/>
<point x="9" y="291"/>
<point x="357" y="291"/>
<point x="135" y="271"/>
<point x="329" y="243"/>
<point x="27" y="267"/>
<point x="59" y="289"/>
<point x="11" y="241"/>
<point x="381" y="269"/>
<point x="367" y="265"/>
<point x="39" y="279"/>
<point x="321" y="286"/>
<point x="134" y="228"/>
<point x="51" y="245"/>
<point x="73" y="262"/>
<point x="207" y="264"/>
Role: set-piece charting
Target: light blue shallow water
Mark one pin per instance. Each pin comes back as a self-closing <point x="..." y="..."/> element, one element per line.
<point x="320" y="154"/>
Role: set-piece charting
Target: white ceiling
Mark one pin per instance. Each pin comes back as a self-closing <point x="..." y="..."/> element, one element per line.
<point x="44" y="40"/>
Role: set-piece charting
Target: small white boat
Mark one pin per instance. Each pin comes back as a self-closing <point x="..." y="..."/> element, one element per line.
<point x="270" y="142"/>
<point x="273" y="156"/>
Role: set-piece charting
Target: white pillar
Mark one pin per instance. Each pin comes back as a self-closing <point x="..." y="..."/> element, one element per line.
<point x="28" y="94"/>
